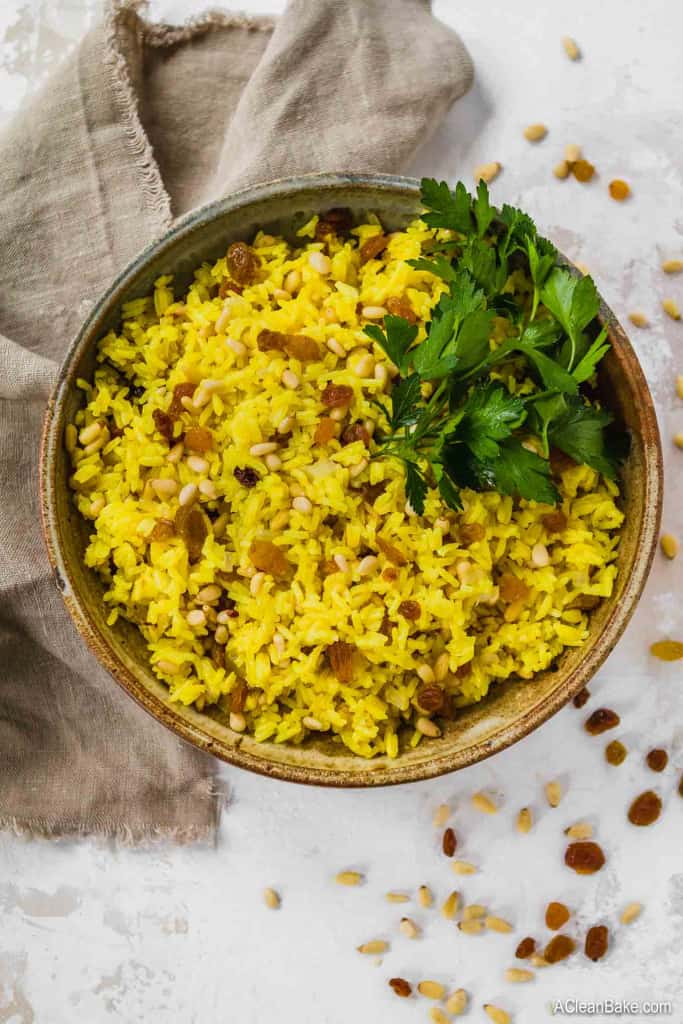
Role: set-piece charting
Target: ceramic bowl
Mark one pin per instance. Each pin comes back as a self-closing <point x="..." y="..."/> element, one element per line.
<point x="510" y="711"/>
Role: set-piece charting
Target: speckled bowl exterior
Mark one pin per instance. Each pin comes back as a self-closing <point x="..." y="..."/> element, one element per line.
<point x="510" y="711"/>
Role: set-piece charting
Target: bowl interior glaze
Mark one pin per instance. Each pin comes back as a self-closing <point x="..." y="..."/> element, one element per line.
<point x="510" y="711"/>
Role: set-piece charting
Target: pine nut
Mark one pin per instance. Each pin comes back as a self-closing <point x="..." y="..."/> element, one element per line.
<point x="338" y="414"/>
<point x="281" y="294"/>
<point x="359" y="468"/>
<point x="427" y="727"/>
<point x="201" y="397"/>
<point x="484" y="803"/>
<point x="408" y="928"/>
<point x="535" y="132"/>
<point x="238" y="722"/>
<point x="187" y="494"/>
<point x="208" y="489"/>
<point x="561" y="170"/>
<point x="196" y="617"/>
<point x="671" y="309"/>
<point x="221" y="635"/>
<point x="256" y="582"/>
<point x="90" y="433"/>
<point x="381" y="373"/>
<point x="97" y="505"/>
<point x="290" y="380"/>
<point x="679" y="386"/>
<point x="524" y="820"/>
<point x="441" y="815"/>
<point x="638" y="319"/>
<point x="457" y="1002"/>
<point x="669" y="545"/>
<point x="487" y="172"/>
<point x="175" y="453"/>
<point x="223" y="618"/>
<point x="572" y="153"/>
<point x="223" y="316"/>
<point x="95" y="446"/>
<point x="238" y="347"/>
<point x="553" y="793"/>
<point x="425" y="896"/>
<point x="581" y="830"/>
<point x="473" y="912"/>
<point x="463" y="867"/>
<point x="336" y="347"/>
<point x="672" y="266"/>
<point x="630" y="912"/>
<point x="367" y="565"/>
<point x="273" y="462"/>
<point x="518" y="974"/>
<point x="349" y="878"/>
<point x="472" y="927"/>
<point x="438" y="1016"/>
<point x="271" y="899"/>
<point x="397" y="897"/>
<point x="169" y="668"/>
<point x="319" y="262"/>
<point x="426" y="673"/>
<point x="373" y="312"/>
<point x="570" y="48"/>
<point x="375" y="947"/>
<point x="497" y="1015"/>
<point x="431" y="989"/>
<point x="450" y="907"/>
<point x="342" y="564"/>
<point x="361" y="363"/>
<point x="540" y="556"/>
<point x="292" y="281"/>
<point x="263" y="448"/>
<point x="497" y="924"/>
<point x="208" y="594"/>
<point x="302" y="505"/>
<point x="678" y="440"/>
<point x="197" y="464"/>
<point x="536" y="960"/>
<point x="285" y="425"/>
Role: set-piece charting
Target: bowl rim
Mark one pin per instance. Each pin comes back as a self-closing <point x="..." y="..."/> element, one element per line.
<point x="644" y="546"/>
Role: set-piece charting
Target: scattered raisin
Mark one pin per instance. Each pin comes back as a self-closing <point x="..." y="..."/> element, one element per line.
<point x="556" y="915"/>
<point x="247" y="476"/>
<point x="526" y="947"/>
<point x="268" y="557"/>
<point x="555" y="522"/>
<point x="180" y="391"/>
<point x="586" y="602"/>
<point x="409" y="610"/>
<point x="582" y="697"/>
<point x="163" y="530"/>
<point x="115" y="431"/>
<point x="657" y="759"/>
<point x="512" y="588"/>
<point x="430" y="698"/>
<point x="449" y="842"/>
<point x="373" y="247"/>
<point x="400" y="307"/>
<point x="401" y="987"/>
<point x="269" y="340"/>
<point x="391" y="552"/>
<point x="615" y="752"/>
<point x="337" y="221"/>
<point x="386" y="626"/>
<point x="341" y="655"/>
<point x="329" y="567"/>
<point x="470" y="533"/>
<point x="597" y="941"/>
<point x="645" y="809"/>
<point x="355" y="432"/>
<point x="601" y="720"/>
<point x="667" y="650"/>
<point x="584" y="857"/>
<point x="227" y="286"/>
<point x="325" y="431"/>
<point x="559" y="948"/>
<point x="164" y="424"/>
<point x="371" y="492"/>
<point x="238" y="697"/>
<point x="619" y="189"/>
<point x="560" y="461"/>
<point x="336" y="396"/>
<point x="198" y="439"/>
<point x="464" y="670"/>
<point x="190" y="524"/>
<point x="242" y="262"/>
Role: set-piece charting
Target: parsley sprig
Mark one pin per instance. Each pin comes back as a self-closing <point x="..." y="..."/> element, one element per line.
<point x="450" y="418"/>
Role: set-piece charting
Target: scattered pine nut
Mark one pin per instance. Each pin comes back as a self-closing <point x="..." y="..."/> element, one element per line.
<point x="619" y="190"/>
<point x="630" y="912"/>
<point x="374" y="947"/>
<point x="431" y="989"/>
<point x="427" y="727"/>
<point x="497" y="1015"/>
<point x="397" y="897"/>
<point x="672" y="266"/>
<point x="561" y="170"/>
<point x="271" y="899"/>
<point x="518" y="974"/>
<point x="524" y="820"/>
<point x="572" y="153"/>
<point x="678" y="440"/>
<point x="349" y="878"/>
<point x="535" y="132"/>
<point x="484" y="803"/>
<point x="571" y="48"/>
<point x="553" y="793"/>
<point x="408" y="928"/>
<point x="425" y="896"/>
<point x="671" y="309"/>
<point x="441" y="815"/>
<point x="457" y="1002"/>
<point x="638" y="319"/>
<point x="669" y="545"/>
<point x="487" y="172"/>
<point x="473" y="911"/>
<point x="679" y="386"/>
<point x="497" y="924"/>
<point x="450" y="907"/>
<point x="473" y="927"/>
<point x="581" y="830"/>
<point x="438" y="1015"/>
<point x="463" y="867"/>
<point x="538" y="961"/>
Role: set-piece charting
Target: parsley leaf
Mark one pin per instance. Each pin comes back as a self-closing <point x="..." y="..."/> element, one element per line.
<point x="416" y="486"/>
<point x="483" y="211"/>
<point x="405" y="401"/>
<point x="574" y="303"/>
<point x="579" y="431"/>
<point x="396" y="338"/>
<point x="585" y="368"/>
<point x="446" y="209"/>
<point x="491" y="414"/>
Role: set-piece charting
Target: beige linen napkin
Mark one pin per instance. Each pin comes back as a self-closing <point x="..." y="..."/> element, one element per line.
<point x="140" y="124"/>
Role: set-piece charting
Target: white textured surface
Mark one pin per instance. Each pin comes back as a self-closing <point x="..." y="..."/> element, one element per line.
<point x="96" y="934"/>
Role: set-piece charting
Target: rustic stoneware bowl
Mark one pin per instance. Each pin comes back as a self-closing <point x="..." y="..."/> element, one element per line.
<point x="510" y="711"/>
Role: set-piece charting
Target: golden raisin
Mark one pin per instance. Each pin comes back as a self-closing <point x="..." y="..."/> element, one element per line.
<point x="164" y="424"/>
<point x="409" y="610"/>
<point x="268" y="557"/>
<point x="586" y="602"/>
<point x="555" y="522"/>
<point x="667" y="650"/>
<point x="615" y="752"/>
<point x="597" y="941"/>
<point x="242" y="262"/>
<point x="373" y="247"/>
<point x="180" y="391"/>
<point x="329" y="567"/>
<point x="227" y="286"/>
<point x="400" y="307"/>
<point x="657" y="759"/>
<point x="512" y="588"/>
<point x="355" y="432"/>
<point x="337" y="221"/>
<point x="582" y="697"/>
<point x="601" y="720"/>
<point x="470" y="533"/>
<point x="401" y="987"/>
<point x="301" y="347"/>
<point x="645" y="809"/>
<point x="163" y="530"/>
<point x="583" y="170"/>
<point x="525" y="948"/>
<point x="269" y="340"/>
<point x="391" y="552"/>
<point x="430" y="698"/>
<point x="336" y="396"/>
<point x="619" y="189"/>
<point x="325" y="431"/>
<point x="389" y="574"/>
<point x="584" y="857"/>
<point x="341" y="657"/>
<point x="559" y="948"/>
<point x="191" y="525"/>
<point x="556" y="915"/>
<point x="449" y="842"/>
<point x="238" y="697"/>
<point x="198" y="439"/>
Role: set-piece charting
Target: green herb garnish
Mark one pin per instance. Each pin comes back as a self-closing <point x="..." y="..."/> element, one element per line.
<point x="453" y="424"/>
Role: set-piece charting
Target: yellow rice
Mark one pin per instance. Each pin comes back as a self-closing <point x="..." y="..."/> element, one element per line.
<point x="278" y="641"/>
